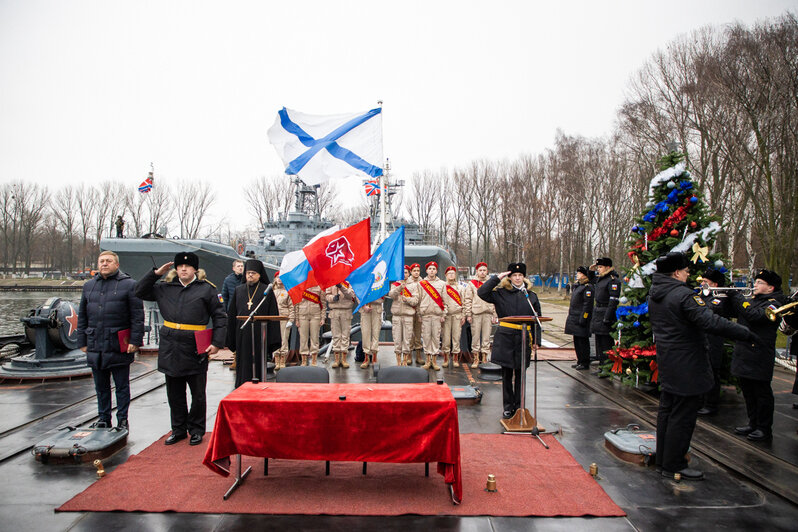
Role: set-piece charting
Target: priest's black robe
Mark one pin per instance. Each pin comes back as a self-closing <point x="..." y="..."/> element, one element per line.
<point x="239" y="340"/>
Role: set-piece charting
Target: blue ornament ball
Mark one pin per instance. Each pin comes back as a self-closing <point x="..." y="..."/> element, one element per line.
<point x="670" y="184"/>
<point x="722" y="269"/>
<point x="693" y="200"/>
<point x="636" y="324"/>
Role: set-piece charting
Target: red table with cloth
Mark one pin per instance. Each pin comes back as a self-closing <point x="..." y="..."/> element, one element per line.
<point x="374" y="423"/>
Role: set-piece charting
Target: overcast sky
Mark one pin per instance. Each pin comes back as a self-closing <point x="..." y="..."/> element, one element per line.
<point x="91" y="90"/>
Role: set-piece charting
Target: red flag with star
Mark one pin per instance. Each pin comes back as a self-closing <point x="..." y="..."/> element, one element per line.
<point x="333" y="257"/>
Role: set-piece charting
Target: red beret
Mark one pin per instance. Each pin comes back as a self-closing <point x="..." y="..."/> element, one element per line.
<point x="452" y="268"/>
<point x="480" y="264"/>
<point x="415" y="265"/>
<point x="431" y="263"/>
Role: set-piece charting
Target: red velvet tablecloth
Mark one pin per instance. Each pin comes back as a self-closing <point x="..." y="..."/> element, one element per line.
<point x="374" y="423"/>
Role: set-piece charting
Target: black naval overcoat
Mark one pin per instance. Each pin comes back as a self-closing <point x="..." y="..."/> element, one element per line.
<point x="240" y="341"/>
<point x="720" y="305"/>
<point x="607" y="290"/>
<point x="679" y="318"/>
<point x="195" y="304"/>
<point x="510" y="301"/>
<point x="755" y="360"/>
<point x="580" y="310"/>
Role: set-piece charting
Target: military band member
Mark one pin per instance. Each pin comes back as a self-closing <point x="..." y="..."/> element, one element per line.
<point x="416" y="345"/>
<point x="340" y="300"/>
<point x="679" y="318"/>
<point x="403" y="309"/>
<point x="719" y="304"/>
<point x="432" y="309"/>
<point x="309" y="315"/>
<point x="187" y="303"/>
<point x="579" y="313"/>
<point x="480" y="314"/>
<point x="370" y="326"/>
<point x="752" y="363"/>
<point x="607" y="291"/>
<point x="453" y="297"/>
<point x="512" y="295"/>
<point x="286" y="309"/>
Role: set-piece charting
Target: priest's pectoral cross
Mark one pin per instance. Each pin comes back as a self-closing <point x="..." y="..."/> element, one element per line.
<point x="249" y="305"/>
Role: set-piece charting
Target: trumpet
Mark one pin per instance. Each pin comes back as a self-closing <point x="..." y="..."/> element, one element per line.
<point x="784" y="310"/>
<point x="723" y="290"/>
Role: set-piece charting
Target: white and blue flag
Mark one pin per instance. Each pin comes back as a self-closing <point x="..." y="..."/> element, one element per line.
<point x="372" y="279"/>
<point x="321" y="147"/>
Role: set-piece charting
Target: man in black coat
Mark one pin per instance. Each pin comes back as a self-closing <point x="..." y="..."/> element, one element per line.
<point x="109" y="315"/>
<point x="244" y="300"/>
<point x="579" y="313"/>
<point x="679" y="318"/>
<point x="512" y="295"/>
<point x="187" y="302"/>
<point x="607" y="291"/>
<point x="719" y="304"/>
<point x="752" y="363"/>
<point x="231" y="282"/>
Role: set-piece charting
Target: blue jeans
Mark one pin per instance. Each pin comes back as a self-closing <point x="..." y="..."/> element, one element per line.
<point x="102" y="385"/>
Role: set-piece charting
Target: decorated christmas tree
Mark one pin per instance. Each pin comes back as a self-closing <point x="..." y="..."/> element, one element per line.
<point x="675" y="219"/>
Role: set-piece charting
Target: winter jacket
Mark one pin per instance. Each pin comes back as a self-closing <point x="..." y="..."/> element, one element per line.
<point x="107" y="306"/>
<point x="473" y="303"/>
<point x="580" y="310"/>
<point x="228" y="287"/>
<point x="403" y="305"/>
<point x="755" y="360"/>
<point x="426" y="305"/>
<point x="607" y="290"/>
<point x="679" y="319"/>
<point x="453" y="308"/>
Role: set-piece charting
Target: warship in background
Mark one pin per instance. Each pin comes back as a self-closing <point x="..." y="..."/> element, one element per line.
<point x="290" y="232"/>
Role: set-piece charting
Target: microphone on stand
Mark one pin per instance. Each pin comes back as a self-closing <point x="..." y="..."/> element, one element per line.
<point x="268" y="289"/>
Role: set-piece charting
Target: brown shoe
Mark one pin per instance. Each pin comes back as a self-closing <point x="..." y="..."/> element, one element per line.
<point x="337" y="361"/>
<point x="428" y="363"/>
<point x="365" y="363"/>
<point x="344" y="363"/>
<point x="456" y="360"/>
<point x="475" y="360"/>
<point x="434" y="363"/>
<point x="445" y="360"/>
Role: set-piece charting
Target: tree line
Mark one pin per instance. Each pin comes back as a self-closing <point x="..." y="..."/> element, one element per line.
<point x="728" y="97"/>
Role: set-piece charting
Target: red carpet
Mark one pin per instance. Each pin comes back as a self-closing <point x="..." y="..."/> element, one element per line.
<point x="531" y="480"/>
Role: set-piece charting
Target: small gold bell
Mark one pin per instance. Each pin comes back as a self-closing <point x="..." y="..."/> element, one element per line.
<point x="491" y="484"/>
<point x="593" y="470"/>
<point x="677" y="477"/>
<point x="100" y="469"/>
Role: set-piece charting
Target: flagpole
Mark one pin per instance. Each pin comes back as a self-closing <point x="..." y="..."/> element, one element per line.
<point x="383" y="177"/>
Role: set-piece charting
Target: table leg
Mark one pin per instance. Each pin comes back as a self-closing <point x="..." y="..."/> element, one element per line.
<point x="239" y="477"/>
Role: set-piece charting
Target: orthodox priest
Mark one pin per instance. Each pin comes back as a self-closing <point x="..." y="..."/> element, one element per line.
<point x="245" y="299"/>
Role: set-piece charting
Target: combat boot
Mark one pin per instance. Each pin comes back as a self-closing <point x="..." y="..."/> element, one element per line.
<point x="408" y="359"/>
<point x="419" y="356"/>
<point x="365" y="363"/>
<point x="456" y="360"/>
<point x="475" y="357"/>
<point x="434" y="363"/>
<point x="398" y="359"/>
<point x="344" y="363"/>
<point x="304" y="360"/>
<point x="313" y="360"/>
<point x="337" y="360"/>
<point x="428" y="363"/>
<point x="373" y="358"/>
<point x="484" y="358"/>
<point x="445" y="360"/>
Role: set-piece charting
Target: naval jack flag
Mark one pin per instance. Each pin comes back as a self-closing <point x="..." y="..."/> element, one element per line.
<point x="317" y="148"/>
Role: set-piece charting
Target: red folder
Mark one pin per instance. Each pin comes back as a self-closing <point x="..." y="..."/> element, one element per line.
<point x="124" y="340"/>
<point x="203" y="339"/>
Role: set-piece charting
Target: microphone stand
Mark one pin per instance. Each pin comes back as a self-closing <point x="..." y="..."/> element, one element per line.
<point x="252" y="337"/>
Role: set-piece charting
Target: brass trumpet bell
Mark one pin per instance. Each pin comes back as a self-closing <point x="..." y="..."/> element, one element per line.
<point x="784" y="310"/>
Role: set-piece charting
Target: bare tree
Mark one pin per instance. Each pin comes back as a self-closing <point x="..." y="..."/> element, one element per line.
<point x="192" y="199"/>
<point x="65" y="210"/>
<point x="86" y="201"/>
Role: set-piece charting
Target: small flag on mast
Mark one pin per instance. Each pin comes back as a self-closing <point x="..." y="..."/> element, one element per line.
<point x="372" y="187"/>
<point x="146" y="185"/>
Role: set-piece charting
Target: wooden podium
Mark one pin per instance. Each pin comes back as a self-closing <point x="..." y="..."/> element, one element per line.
<point x="263" y="343"/>
<point x="522" y="420"/>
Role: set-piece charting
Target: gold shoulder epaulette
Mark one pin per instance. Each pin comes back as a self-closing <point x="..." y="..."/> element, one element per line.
<point x="213" y="285"/>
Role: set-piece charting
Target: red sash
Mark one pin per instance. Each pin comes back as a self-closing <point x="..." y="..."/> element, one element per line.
<point x="430" y="290"/>
<point x="313" y="298"/>
<point x="477" y="283"/>
<point x="454" y="294"/>
<point x="405" y="291"/>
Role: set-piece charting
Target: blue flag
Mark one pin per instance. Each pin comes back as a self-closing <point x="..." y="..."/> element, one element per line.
<point x="372" y="279"/>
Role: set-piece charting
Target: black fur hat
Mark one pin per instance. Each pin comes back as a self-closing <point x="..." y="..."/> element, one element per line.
<point x="671" y="262"/>
<point x="517" y="267"/>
